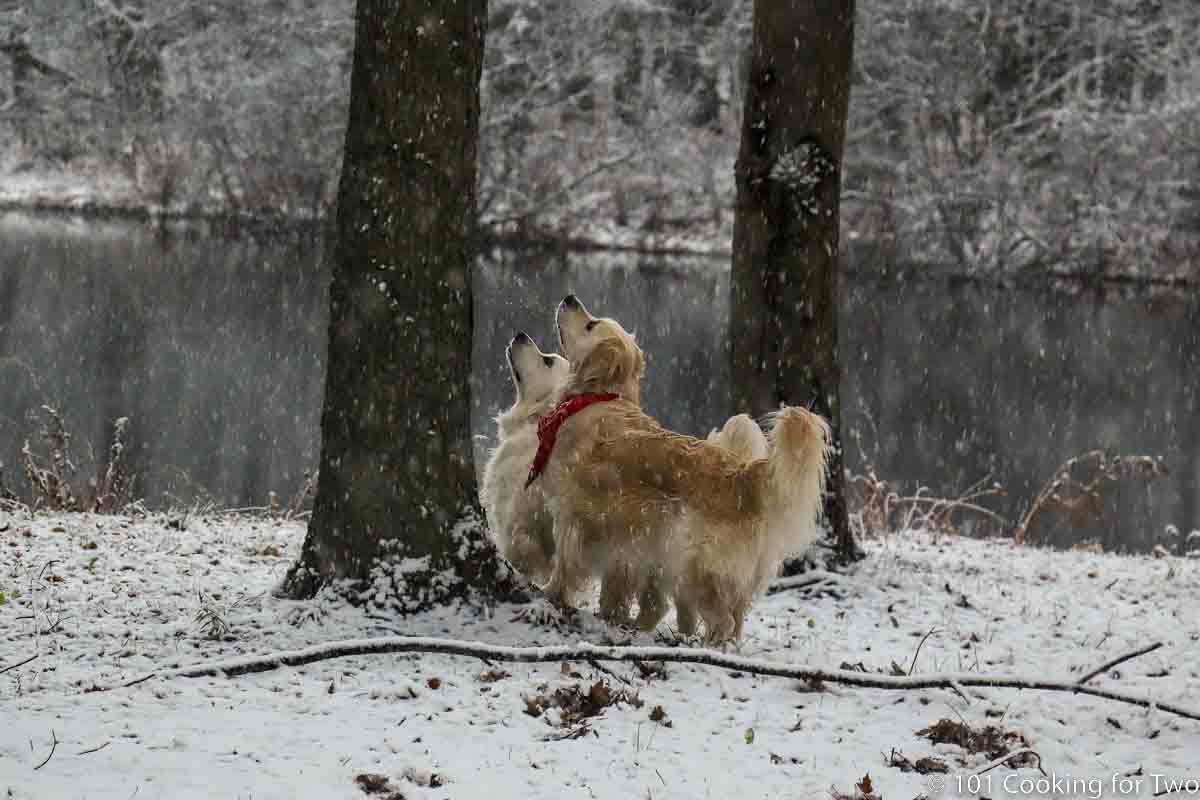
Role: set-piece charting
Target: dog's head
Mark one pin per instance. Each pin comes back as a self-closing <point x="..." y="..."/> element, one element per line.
<point x="537" y="375"/>
<point x="604" y="356"/>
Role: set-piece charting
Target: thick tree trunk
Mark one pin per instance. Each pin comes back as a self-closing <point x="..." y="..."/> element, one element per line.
<point x="396" y="497"/>
<point x="783" y="330"/>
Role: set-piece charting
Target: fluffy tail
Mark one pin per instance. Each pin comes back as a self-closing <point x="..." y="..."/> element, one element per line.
<point x="742" y="435"/>
<point x="800" y="442"/>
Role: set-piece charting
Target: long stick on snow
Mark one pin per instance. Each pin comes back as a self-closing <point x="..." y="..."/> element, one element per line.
<point x="1127" y="657"/>
<point x="680" y="655"/>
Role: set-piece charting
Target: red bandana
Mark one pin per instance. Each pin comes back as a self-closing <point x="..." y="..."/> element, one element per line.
<point x="548" y="426"/>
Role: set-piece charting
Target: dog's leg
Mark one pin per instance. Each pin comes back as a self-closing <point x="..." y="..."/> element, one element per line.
<point x="715" y="600"/>
<point x="739" y="616"/>
<point x="719" y="627"/>
<point x="685" y="615"/>
<point x="525" y="552"/>
<point x="616" y="589"/>
<point x="652" y="604"/>
<point x="566" y="572"/>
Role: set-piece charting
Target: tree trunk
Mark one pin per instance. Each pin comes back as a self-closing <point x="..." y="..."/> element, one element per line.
<point x="396" y="497"/>
<point x="784" y="285"/>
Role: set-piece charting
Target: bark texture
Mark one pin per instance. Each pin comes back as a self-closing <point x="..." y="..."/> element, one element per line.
<point x="784" y="304"/>
<point x="396" y="496"/>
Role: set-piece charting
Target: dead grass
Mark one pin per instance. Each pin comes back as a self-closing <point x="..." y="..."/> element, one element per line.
<point x="51" y="472"/>
<point x="576" y="704"/>
<point x="991" y="741"/>
<point x="863" y="790"/>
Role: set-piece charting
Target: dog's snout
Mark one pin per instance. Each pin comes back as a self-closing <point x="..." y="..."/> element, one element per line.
<point x="571" y="301"/>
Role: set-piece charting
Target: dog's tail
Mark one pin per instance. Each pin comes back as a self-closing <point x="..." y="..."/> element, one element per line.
<point x="742" y="435"/>
<point x="797" y="463"/>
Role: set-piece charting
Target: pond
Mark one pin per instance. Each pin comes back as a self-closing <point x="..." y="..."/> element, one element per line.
<point x="213" y="344"/>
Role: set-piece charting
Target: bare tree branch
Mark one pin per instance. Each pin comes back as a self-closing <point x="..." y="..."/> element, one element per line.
<point x="681" y="655"/>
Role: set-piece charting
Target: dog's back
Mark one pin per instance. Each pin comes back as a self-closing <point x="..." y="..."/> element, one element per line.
<point x="743" y="436"/>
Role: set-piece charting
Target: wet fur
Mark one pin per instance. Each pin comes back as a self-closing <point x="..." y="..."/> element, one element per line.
<point x="623" y="490"/>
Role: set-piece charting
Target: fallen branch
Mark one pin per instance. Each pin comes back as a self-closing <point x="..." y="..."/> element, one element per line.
<point x="94" y="749"/>
<point x="586" y="652"/>
<point x="53" y="747"/>
<point x="1150" y="648"/>
<point x="19" y="663"/>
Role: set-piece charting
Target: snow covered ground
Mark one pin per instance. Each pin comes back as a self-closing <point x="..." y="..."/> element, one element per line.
<point x="103" y="600"/>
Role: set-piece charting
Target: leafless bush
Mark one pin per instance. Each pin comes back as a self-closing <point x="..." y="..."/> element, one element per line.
<point x="305" y="495"/>
<point x="9" y="501"/>
<point x="112" y="490"/>
<point x="49" y="475"/>
<point x="877" y="506"/>
<point x="1078" y="492"/>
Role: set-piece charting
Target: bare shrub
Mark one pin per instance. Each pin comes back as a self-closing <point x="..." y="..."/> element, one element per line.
<point x="877" y="506"/>
<point x="49" y="475"/>
<point x="112" y="489"/>
<point x="1079" y="492"/>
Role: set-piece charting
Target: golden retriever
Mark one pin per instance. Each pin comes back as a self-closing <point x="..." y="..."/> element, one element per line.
<point x="520" y="524"/>
<point x="629" y="497"/>
<point x="517" y="517"/>
<point x="742" y="436"/>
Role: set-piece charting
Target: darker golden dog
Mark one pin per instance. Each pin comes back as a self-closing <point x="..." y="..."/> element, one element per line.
<point x="637" y="505"/>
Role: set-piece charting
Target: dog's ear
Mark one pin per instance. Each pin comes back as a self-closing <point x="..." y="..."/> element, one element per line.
<point x="613" y="365"/>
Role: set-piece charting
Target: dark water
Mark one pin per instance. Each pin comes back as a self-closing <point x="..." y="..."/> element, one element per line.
<point x="213" y="347"/>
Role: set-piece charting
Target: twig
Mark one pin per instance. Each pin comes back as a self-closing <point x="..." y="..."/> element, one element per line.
<point x="574" y="733"/>
<point x="19" y="663"/>
<point x="596" y="665"/>
<point x="1150" y="648"/>
<point x="53" y="747"/>
<point x="951" y="505"/>
<point x="94" y="749"/>
<point x="584" y="651"/>
<point x="1010" y="756"/>
<point x="920" y="644"/>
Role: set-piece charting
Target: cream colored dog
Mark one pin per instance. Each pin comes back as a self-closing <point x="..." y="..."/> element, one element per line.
<point x="630" y="498"/>
<point x="517" y="516"/>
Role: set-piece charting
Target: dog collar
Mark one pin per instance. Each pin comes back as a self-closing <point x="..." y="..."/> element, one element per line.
<point x="547" y="429"/>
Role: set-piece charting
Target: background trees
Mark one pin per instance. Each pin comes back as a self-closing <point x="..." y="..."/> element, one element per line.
<point x="1000" y="136"/>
